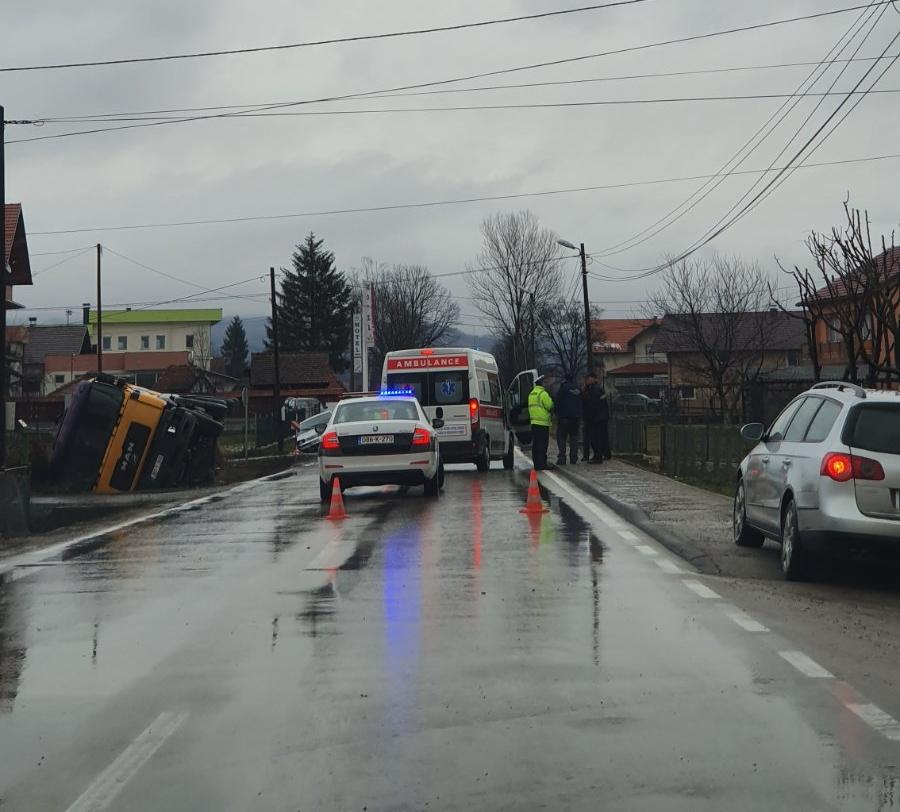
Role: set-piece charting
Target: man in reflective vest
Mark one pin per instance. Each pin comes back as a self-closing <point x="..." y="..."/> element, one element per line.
<point x="540" y="408"/>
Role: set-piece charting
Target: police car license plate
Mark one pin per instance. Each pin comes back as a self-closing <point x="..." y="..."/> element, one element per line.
<point x="376" y="439"/>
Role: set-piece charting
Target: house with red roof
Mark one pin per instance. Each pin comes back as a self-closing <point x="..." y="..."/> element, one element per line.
<point x="623" y="349"/>
<point x="15" y="253"/>
<point x="833" y="299"/>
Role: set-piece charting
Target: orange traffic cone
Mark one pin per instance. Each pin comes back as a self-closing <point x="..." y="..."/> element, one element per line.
<point x="336" y="511"/>
<point x="533" y="503"/>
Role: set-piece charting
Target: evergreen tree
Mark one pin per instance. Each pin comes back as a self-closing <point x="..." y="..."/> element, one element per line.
<point x="314" y="305"/>
<point x="235" y="349"/>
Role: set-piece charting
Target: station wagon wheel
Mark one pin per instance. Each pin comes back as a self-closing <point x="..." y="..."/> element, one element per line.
<point x="744" y="534"/>
<point x="793" y="556"/>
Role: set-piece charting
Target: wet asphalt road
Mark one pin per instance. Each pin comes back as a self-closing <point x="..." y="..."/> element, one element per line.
<point x="450" y="654"/>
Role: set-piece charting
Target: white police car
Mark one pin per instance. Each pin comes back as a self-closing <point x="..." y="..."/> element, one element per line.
<point x="383" y="440"/>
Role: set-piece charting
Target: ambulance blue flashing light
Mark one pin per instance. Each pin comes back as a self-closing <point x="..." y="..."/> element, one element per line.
<point x="397" y="393"/>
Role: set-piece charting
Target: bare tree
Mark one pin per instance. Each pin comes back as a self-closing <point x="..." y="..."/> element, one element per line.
<point x="717" y="319"/>
<point x="859" y="296"/>
<point x="516" y="269"/>
<point x="202" y="351"/>
<point x="810" y="312"/>
<point x="561" y="333"/>
<point x="413" y="308"/>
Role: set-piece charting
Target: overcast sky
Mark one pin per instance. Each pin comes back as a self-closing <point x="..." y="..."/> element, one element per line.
<point x="276" y="165"/>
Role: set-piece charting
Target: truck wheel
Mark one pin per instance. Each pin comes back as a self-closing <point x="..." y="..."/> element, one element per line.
<point x="509" y="456"/>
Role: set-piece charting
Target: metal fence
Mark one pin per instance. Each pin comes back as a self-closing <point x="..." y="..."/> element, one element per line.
<point x="704" y="453"/>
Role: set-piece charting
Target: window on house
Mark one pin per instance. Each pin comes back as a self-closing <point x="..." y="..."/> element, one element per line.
<point x="832" y="335"/>
<point x="160" y="342"/>
<point x="59" y="379"/>
<point x="107" y="342"/>
<point x="189" y="341"/>
<point x="793" y="358"/>
<point x="145" y="342"/>
<point x="687" y="393"/>
<point x="123" y="343"/>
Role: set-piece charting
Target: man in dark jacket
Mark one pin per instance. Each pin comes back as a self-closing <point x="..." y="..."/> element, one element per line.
<point x="596" y="417"/>
<point x="568" y="418"/>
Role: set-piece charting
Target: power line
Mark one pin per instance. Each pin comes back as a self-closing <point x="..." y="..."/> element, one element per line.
<point x="728" y="221"/>
<point x="123" y="115"/>
<point x="461" y="108"/>
<point x="746" y="150"/>
<point x="63" y="261"/>
<point x="483" y="75"/>
<point x="438" y="203"/>
<point x="317" y="43"/>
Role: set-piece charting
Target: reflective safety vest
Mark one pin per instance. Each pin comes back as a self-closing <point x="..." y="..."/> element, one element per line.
<point x="540" y="404"/>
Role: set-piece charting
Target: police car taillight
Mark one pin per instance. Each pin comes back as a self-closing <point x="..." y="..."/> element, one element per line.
<point x="330" y="441"/>
<point x="421" y="437"/>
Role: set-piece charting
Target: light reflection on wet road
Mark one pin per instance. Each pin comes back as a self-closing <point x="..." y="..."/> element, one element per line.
<point x="448" y="654"/>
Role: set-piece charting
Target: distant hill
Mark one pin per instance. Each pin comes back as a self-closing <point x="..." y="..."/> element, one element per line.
<point x="255" y="327"/>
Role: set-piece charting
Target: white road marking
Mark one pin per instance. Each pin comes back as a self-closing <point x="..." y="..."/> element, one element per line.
<point x="645" y="549"/>
<point x="701" y="589"/>
<point x="805" y="665"/>
<point x="627" y="534"/>
<point x="746" y="622"/>
<point x="28" y="560"/>
<point x="329" y="557"/>
<point x="106" y="786"/>
<point x="669" y="566"/>
<point x="877" y="719"/>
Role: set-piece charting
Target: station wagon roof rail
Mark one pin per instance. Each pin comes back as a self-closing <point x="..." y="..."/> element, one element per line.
<point x="852" y="387"/>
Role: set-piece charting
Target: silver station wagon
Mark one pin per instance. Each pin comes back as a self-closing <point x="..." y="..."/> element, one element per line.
<point x="827" y="472"/>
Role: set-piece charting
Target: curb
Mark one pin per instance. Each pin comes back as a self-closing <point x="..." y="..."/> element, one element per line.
<point x="673" y="542"/>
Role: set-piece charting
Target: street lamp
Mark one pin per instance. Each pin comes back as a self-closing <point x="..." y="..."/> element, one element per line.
<point x="587" y="303"/>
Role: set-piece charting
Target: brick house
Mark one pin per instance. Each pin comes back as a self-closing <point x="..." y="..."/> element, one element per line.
<point x="727" y="351"/>
<point x="303" y="375"/>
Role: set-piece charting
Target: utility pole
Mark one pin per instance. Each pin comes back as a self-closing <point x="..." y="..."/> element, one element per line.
<point x="99" y="315"/>
<point x="533" y="327"/>
<point x="3" y="377"/>
<point x="277" y="387"/>
<point x="587" y="311"/>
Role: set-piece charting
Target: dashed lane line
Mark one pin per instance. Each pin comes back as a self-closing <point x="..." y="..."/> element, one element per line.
<point x="646" y="549"/>
<point x="627" y="534"/>
<point x="106" y="786"/>
<point x="747" y="623"/>
<point x="701" y="590"/>
<point x="805" y="665"/>
<point x="877" y="719"/>
<point x="669" y="566"/>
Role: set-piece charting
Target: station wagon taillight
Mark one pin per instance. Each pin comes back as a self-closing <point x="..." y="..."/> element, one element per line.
<point x="330" y="441"/>
<point x="844" y="467"/>
<point x="421" y="437"/>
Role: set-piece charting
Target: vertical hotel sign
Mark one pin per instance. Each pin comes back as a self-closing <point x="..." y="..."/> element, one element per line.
<point x="357" y="342"/>
<point x="368" y="313"/>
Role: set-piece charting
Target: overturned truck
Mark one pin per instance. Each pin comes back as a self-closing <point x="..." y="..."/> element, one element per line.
<point x="116" y="437"/>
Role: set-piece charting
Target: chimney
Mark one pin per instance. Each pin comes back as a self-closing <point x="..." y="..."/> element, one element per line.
<point x="86" y="313"/>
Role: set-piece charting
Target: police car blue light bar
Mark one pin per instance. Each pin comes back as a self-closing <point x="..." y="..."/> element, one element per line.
<point x="397" y="393"/>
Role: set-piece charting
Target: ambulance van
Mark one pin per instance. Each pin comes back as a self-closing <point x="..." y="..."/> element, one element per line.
<point x="462" y="387"/>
